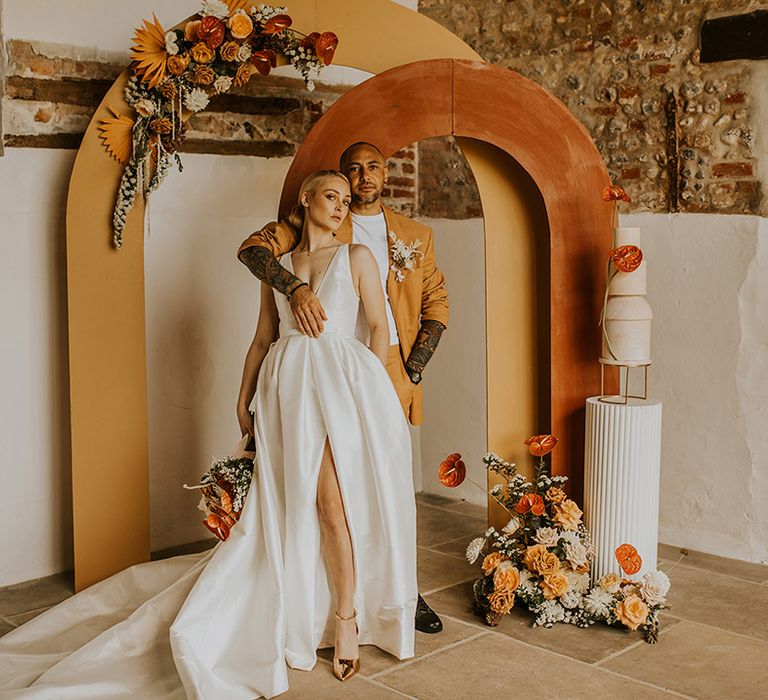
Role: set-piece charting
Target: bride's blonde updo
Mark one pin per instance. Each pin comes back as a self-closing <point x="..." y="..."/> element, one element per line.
<point x="310" y="184"/>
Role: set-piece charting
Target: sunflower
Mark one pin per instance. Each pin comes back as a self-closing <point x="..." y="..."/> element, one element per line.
<point x="117" y="135"/>
<point x="148" y="51"/>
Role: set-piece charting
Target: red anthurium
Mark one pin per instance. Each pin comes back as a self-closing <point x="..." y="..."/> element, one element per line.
<point x="452" y="471"/>
<point x="211" y="31"/>
<point x="325" y="47"/>
<point x="264" y="60"/>
<point x="540" y="445"/>
<point x="309" y="41"/>
<point x="277" y="24"/>
<point x="627" y="258"/>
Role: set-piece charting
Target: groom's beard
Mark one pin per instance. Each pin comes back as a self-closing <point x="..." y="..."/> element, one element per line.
<point x="367" y="198"/>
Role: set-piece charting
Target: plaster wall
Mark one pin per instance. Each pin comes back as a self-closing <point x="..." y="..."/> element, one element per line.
<point x="708" y="287"/>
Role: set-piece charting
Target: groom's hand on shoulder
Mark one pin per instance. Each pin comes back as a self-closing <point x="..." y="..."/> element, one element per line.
<point x="308" y="311"/>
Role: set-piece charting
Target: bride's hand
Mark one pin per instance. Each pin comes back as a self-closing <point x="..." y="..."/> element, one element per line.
<point x="245" y="419"/>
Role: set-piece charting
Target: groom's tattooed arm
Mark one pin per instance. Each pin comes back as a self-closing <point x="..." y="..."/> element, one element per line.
<point x="262" y="263"/>
<point x="424" y="348"/>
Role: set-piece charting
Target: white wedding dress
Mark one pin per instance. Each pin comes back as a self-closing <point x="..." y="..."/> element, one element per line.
<point x="222" y="625"/>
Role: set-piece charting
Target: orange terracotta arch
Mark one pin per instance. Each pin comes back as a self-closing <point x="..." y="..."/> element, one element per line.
<point x="481" y="102"/>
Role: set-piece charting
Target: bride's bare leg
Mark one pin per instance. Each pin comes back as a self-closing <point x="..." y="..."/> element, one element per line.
<point x="338" y="552"/>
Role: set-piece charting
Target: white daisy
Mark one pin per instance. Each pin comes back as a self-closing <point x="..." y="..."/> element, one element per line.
<point x="196" y="99"/>
<point x="571" y="599"/>
<point x="216" y="8"/>
<point x="474" y="548"/>
<point x="597" y="602"/>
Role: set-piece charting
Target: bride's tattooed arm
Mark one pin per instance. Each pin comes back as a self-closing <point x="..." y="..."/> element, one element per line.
<point x="263" y="264"/>
<point x="424" y="348"/>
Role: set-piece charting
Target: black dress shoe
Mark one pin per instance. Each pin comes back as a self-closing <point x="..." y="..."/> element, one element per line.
<point x="426" y="618"/>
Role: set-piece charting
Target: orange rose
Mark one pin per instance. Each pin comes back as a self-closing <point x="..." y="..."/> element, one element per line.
<point x="610" y="582"/>
<point x="240" y="25"/>
<point x="501" y="602"/>
<point x="554" y="585"/>
<point x="567" y="515"/>
<point x="491" y="561"/>
<point x="204" y="75"/>
<point x="540" y="560"/>
<point x="632" y="612"/>
<point x="190" y="30"/>
<point x="555" y="494"/>
<point x="228" y="51"/>
<point x="178" y="64"/>
<point x="506" y="577"/>
<point x="540" y="445"/>
<point x="201" y="53"/>
<point x="532" y="502"/>
<point x="243" y="75"/>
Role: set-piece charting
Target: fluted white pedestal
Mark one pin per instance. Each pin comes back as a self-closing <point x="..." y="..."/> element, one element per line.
<point x="622" y="458"/>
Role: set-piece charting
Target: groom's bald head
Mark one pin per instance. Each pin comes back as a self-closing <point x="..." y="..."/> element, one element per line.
<point x="352" y="150"/>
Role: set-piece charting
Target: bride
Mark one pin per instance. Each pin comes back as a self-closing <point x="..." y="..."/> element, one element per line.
<point x="324" y="552"/>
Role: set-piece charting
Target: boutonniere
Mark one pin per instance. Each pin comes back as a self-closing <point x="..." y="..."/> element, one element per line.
<point x="404" y="255"/>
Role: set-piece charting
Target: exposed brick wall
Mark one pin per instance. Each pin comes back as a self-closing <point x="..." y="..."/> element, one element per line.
<point x="676" y="134"/>
<point x="51" y="92"/>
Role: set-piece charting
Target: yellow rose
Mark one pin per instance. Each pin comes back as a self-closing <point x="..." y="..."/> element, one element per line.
<point x="228" y="50"/>
<point x="554" y="585"/>
<point x="540" y="560"/>
<point x="501" y="602"/>
<point x="240" y="25"/>
<point x="204" y="75"/>
<point x="178" y="64"/>
<point x="491" y="561"/>
<point x="243" y="75"/>
<point x="201" y="52"/>
<point x="507" y="577"/>
<point x="567" y="515"/>
<point x="632" y="612"/>
<point x="610" y="582"/>
<point x="555" y="494"/>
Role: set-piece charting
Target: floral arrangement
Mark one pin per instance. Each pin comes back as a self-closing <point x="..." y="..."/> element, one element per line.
<point x="224" y="488"/>
<point x="541" y="558"/>
<point x="404" y="255"/>
<point x="176" y="72"/>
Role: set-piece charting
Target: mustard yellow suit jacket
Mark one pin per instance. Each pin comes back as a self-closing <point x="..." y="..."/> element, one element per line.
<point x="421" y="295"/>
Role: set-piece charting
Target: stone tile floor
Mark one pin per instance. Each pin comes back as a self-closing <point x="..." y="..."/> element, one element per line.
<point x="713" y="643"/>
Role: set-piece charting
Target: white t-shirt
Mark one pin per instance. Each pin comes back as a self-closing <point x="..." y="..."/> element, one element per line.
<point x="371" y="231"/>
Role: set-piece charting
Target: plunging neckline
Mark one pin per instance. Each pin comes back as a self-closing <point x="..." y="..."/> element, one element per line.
<point x="316" y="292"/>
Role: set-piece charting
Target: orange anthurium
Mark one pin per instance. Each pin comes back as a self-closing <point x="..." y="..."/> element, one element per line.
<point x="629" y="559"/>
<point x="540" y="445"/>
<point x="530" y="502"/>
<point x="452" y="471"/>
<point x="614" y="193"/>
<point x="277" y="24"/>
<point x="627" y="258"/>
<point x="325" y="47"/>
<point x="309" y="41"/>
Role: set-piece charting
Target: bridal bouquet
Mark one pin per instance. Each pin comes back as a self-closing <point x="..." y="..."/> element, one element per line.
<point x="224" y="488"/>
<point x="541" y="558"/>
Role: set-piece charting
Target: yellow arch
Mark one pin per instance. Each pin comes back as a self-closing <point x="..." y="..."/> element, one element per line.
<point x="107" y="336"/>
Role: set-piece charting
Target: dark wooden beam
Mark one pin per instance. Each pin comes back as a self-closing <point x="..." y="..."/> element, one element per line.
<point x="734" y="37"/>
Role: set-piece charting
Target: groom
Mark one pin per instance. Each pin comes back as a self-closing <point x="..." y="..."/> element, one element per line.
<point x="417" y="301"/>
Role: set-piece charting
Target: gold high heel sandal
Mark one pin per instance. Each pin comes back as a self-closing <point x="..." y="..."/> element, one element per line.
<point x="344" y="669"/>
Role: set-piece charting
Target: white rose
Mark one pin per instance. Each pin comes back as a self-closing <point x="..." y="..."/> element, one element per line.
<point x="655" y="587"/>
<point x="548" y="536"/>
<point x="222" y="83"/>
<point x="576" y="553"/>
<point x="244" y="53"/>
<point x="171" y="47"/>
